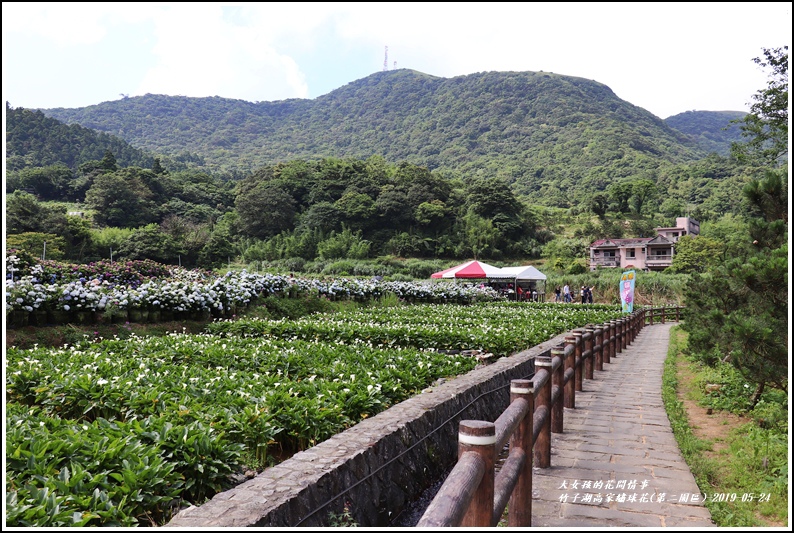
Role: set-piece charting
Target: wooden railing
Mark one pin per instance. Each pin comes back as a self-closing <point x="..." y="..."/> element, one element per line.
<point x="474" y="495"/>
<point x="661" y="314"/>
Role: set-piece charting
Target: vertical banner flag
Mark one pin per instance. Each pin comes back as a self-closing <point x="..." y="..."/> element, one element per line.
<point x="627" y="291"/>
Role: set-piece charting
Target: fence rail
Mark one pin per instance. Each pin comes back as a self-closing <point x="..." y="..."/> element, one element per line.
<point x="474" y="495"/>
<point x="660" y="314"/>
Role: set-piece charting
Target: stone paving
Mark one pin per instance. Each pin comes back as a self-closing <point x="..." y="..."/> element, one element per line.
<point x="617" y="464"/>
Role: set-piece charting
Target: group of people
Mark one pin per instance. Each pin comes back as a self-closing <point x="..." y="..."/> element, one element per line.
<point x="566" y="296"/>
<point x="514" y="291"/>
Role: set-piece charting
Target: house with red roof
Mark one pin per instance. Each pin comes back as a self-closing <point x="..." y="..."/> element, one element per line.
<point x="643" y="253"/>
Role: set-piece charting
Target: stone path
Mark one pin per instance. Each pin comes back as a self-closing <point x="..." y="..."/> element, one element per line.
<point x="617" y="464"/>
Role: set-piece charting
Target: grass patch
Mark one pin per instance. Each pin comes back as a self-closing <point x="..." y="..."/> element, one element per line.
<point x="751" y="468"/>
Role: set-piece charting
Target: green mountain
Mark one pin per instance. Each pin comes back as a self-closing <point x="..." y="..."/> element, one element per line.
<point x="553" y="137"/>
<point x="35" y="140"/>
<point x="711" y="130"/>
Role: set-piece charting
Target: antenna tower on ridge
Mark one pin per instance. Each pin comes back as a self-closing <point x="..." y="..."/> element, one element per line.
<point x="386" y="60"/>
<point x="395" y="66"/>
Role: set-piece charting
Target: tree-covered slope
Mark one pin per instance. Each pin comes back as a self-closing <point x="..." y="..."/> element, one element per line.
<point x="712" y="130"/>
<point x="35" y="140"/>
<point x="551" y="136"/>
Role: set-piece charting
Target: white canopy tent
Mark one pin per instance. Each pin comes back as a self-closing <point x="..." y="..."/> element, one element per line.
<point x="518" y="274"/>
<point x="527" y="272"/>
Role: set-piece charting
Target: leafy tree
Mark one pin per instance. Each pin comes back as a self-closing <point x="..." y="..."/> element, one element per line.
<point x="766" y="126"/>
<point x="566" y="249"/>
<point x="150" y="242"/>
<point x="738" y="310"/>
<point x="48" y="183"/>
<point x="188" y="237"/>
<point x="157" y="168"/>
<point x="491" y="197"/>
<point x="770" y="205"/>
<point x="599" y="204"/>
<point x="265" y="210"/>
<point x="103" y="240"/>
<point x="643" y="192"/>
<point x="38" y="244"/>
<point x="394" y="209"/>
<point x="695" y="254"/>
<point x="23" y="212"/>
<point x="220" y="246"/>
<point x="358" y="209"/>
<point x="620" y="196"/>
<point x="78" y="238"/>
<point x="109" y="161"/>
<point x="672" y="207"/>
<point x="322" y="216"/>
<point x="479" y="236"/>
<point x="121" y="199"/>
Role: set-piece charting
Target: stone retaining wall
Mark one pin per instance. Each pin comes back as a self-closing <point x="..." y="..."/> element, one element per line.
<point x="377" y="467"/>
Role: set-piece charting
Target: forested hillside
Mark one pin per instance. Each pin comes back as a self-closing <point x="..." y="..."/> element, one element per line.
<point x="711" y="130"/>
<point x="35" y="140"/>
<point x="556" y="139"/>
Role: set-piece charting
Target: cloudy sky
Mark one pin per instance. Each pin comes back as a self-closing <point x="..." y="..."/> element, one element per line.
<point x="665" y="57"/>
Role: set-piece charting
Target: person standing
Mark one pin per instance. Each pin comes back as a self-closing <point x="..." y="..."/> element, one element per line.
<point x="590" y="294"/>
<point x="583" y="294"/>
<point x="566" y="293"/>
<point x="558" y="294"/>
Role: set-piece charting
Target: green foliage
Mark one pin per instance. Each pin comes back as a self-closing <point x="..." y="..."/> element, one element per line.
<point x="35" y="140"/>
<point x="345" y="244"/>
<point x="765" y="128"/>
<point x="121" y="199"/>
<point x="714" y="131"/>
<point x="38" y="244"/>
<point x="343" y="519"/>
<point x="276" y="307"/>
<point x="24" y="213"/>
<point x="753" y="472"/>
<point x="552" y="137"/>
<point x="150" y="242"/>
<point x="737" y="311"/>
<point x="264" y="209"/>
<point x="695" y="254"/>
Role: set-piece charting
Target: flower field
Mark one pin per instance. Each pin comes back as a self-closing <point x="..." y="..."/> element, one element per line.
<point x="123" y="432"/>
<point x="120" y="433"/>
<point x="47" y="292"/>
<point x="498" y="327"/>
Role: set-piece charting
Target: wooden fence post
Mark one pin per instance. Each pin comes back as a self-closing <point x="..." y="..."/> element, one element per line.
<point x="598" y="349"/>
<point x="519" y="512"/>
<point x="569" y="372"/>
<point x="542" y="448"/>
<point x="578" y="364"/>
<point x="479" y="437"/>
<point x="590" y="341"/>
<point x="557" y="387"/>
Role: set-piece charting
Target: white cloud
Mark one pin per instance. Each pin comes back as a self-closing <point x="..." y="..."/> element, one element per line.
<point x="70" y="23"/>
<point x="201" y="54"/>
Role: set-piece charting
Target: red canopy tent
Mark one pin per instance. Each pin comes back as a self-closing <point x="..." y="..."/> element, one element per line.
<point x="471" y="270"/>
